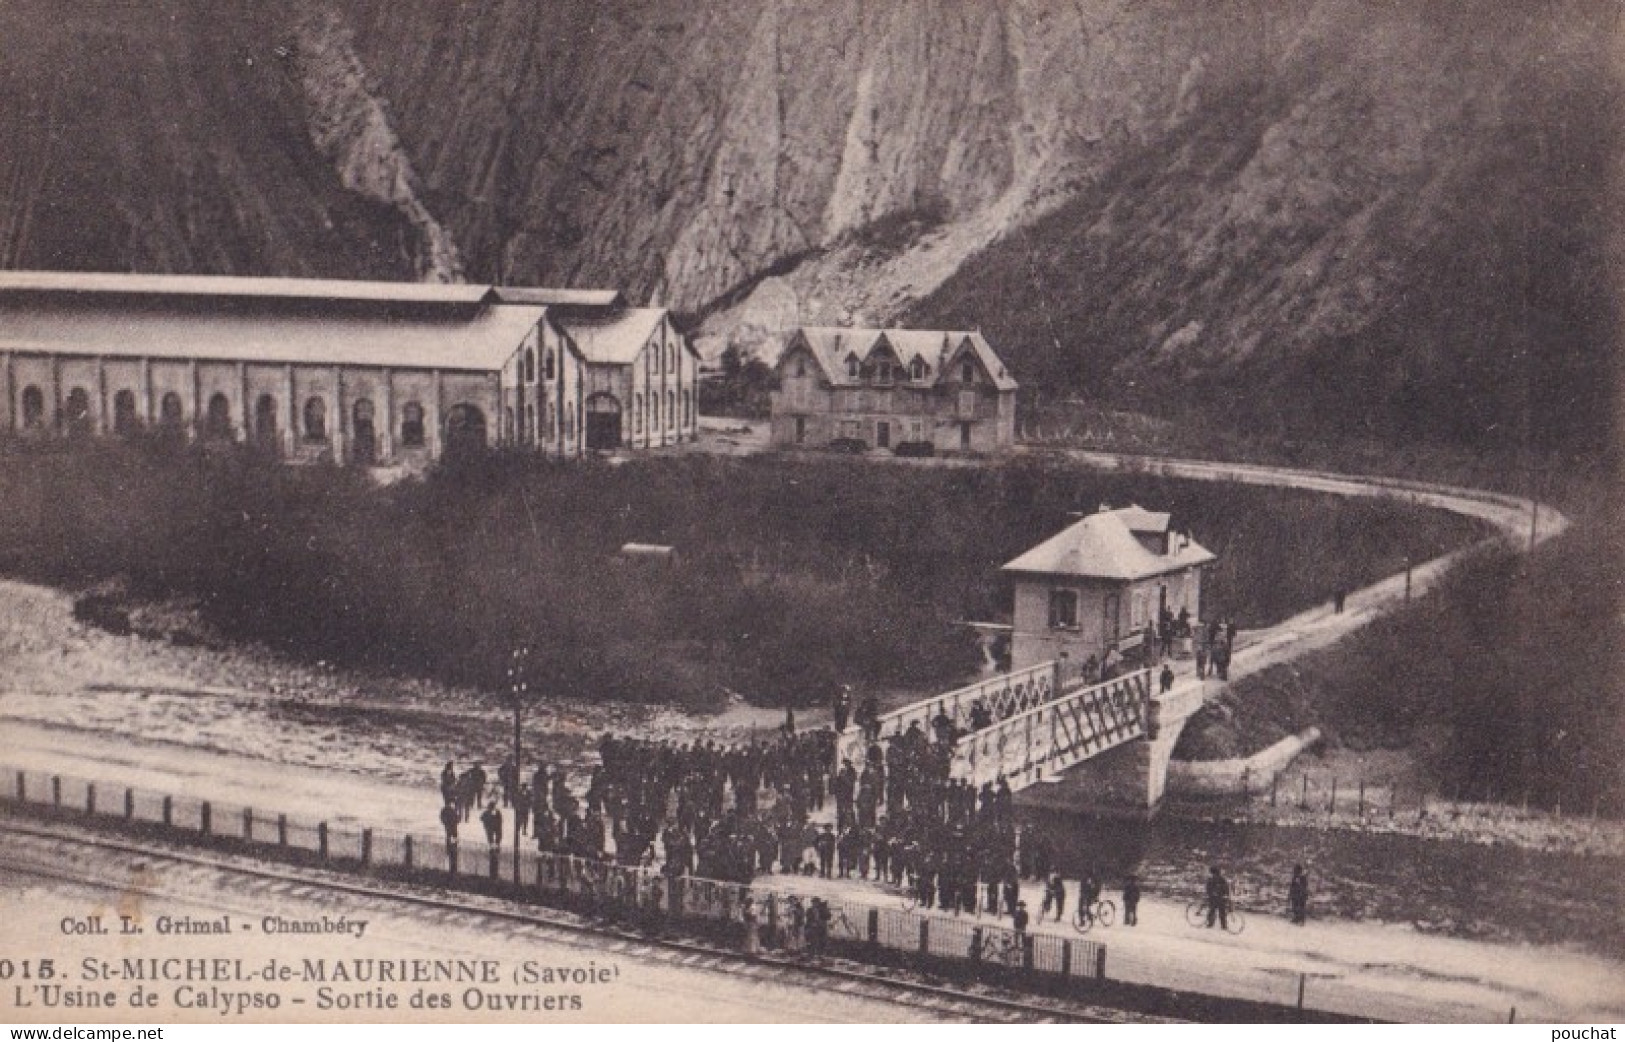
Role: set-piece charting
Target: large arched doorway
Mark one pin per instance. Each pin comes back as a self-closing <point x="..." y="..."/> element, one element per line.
<point x="603" y="422"/>
<point x="265" y="436"/>
<point x="465" y="431"/>
<point x="217" y="418"/>
<point x="364" y="450"/>
<point x="76" y="412"/>
<point x="125" y="419"/>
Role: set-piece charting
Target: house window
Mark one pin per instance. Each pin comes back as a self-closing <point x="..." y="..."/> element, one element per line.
<point x="801" y="367"/>
<point x="33" y="407"/>
<point x="852" y="366"/>
<point x="530" y="366"/>
<point x="637" y="414"/>
<point x="967" y="372"/>
<point x="412" y="425"/>
<point x="671" y="358"/>
<point x="671" y="408"/>
<point x="316" y="419"/>
<point x="649" y="360"/>
<point x="1063" y="609"/>
<point x="547" y="364"/>
<point x="883" y="373"/>
<point x="917" y="369"/>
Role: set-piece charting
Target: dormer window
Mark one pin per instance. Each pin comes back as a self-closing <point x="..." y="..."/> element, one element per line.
<point x="967" y="372"/>
<point x="852" y="366"/>
<point x="883" y="373"/>
<point x="917" y="369"/>
<point x="801" y="367"/>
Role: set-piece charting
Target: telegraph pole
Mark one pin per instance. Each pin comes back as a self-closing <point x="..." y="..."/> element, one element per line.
<point x="518" y="687"/>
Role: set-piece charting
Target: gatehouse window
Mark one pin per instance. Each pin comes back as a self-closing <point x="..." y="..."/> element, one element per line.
<point x="1063" y="609"/>
<point x="412" y="425"/>
<point x="316" y="419"/>
<point x="33" y="407"/>
<point x="530" y="366"/>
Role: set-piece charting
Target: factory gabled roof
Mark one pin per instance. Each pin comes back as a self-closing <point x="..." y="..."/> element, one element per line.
<point x="614" y="337"/>
<point x="481" y="339"/>
<point x="1103" y="546"/>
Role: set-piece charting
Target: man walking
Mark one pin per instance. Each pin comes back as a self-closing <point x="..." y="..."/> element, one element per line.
<point x="1297" y="895"/>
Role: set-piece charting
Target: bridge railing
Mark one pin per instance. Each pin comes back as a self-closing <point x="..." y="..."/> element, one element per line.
<point x="1056" y="734"/>
<point x="1005" y="696"/>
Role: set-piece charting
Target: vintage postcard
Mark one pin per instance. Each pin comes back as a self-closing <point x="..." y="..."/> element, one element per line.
<point x="993" y="511"/>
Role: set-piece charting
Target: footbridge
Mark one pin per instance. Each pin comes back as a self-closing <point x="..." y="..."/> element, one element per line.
<point x="1046" y="719"/>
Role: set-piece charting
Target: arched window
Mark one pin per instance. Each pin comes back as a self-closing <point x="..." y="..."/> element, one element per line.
<point x="650" y="358"/>
<point x="171" y="413"/>
<point x="217" y="420"/>
<point x="527" y="427"/>
<point x="33" y="407"/>
<point x="530" y="366"/>
<point x="315" y="419"/>
<point x="547" y="364"/>
<point x="507" y="423"/>
<point x="917" y="369"/>
<point x="688" y="408"/>
<point x="637" y="414"/>
<point x="125" y="420"/>
<point x="671" y="408"/>
<point x="412" y="425"/>
<point x="76" y="411"/>
<point x="552" y="423"/>
<point x="671" y="358"/>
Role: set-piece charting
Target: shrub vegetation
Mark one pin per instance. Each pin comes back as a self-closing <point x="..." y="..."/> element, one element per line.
<point x="791" y="575"/>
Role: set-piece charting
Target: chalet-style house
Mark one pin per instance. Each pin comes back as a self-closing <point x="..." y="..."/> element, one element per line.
<point x="893" y="389"/>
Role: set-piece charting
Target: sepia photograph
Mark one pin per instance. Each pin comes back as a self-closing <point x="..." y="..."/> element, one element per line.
<point x="559" y="512"/>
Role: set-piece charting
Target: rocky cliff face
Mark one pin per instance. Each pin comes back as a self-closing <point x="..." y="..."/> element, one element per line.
<point x="1134" y="197"/>
<point x="172" y="136"/>
<point x="688" y="149"/>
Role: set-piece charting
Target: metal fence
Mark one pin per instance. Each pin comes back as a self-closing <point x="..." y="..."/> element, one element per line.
<point x="750" y="917"/>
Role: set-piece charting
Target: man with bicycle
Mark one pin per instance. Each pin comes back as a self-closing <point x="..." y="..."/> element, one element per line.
<point x="1218" y="898"/>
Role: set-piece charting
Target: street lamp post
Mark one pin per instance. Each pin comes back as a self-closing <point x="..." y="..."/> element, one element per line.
<point x="518" y="687"/>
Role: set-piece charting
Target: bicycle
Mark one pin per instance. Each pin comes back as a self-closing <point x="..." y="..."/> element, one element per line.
<point x="1234" y="921"/>
<point x="1101" y="913"/>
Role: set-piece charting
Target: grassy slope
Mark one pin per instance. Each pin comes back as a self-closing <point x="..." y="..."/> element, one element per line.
<point x="1506" y="680"/>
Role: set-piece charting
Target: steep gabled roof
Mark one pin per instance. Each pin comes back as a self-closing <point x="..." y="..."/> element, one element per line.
<point x="1103" y="546"/>
<point x="614" y="338"/>
<point x="831" y="345"/>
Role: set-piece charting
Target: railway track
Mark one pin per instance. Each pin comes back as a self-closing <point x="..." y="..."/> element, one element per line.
<point x="64" y="856"/>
